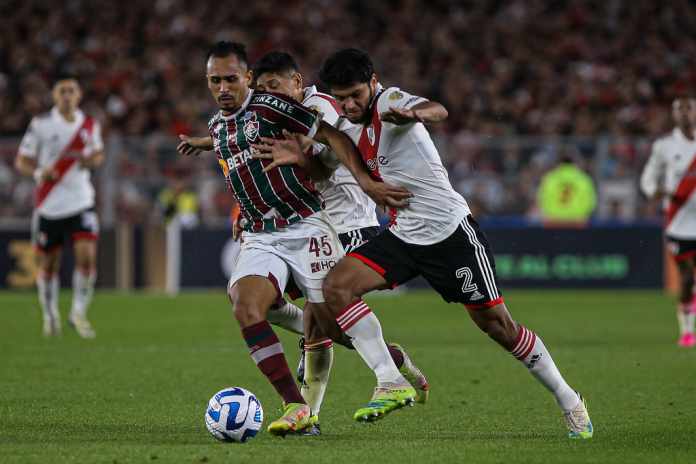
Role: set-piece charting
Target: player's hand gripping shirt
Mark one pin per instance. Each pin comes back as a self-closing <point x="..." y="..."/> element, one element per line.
<point x="347" y="206"/>
<point x="406" y="156"/>
<point x="672" y="167"/>
<point x="57" y="143"/>
<point x="268" y="200"/>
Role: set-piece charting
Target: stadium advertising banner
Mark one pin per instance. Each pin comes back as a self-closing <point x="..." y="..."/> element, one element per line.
<point x="18" y="265"/>
<point x="525" y="257"/>
<point x="579" y="258"/>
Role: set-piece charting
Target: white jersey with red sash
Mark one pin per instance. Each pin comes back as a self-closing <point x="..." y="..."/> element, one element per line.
<point x="346" y="205"/>
<point x="672" y="168"/>
<point x="53" y="141"/>
<point x="406" y="156"/>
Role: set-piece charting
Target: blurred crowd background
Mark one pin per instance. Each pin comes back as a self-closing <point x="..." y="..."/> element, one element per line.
<point x="526" y="82"/>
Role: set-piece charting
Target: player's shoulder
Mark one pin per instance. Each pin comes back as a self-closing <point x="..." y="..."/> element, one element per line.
<point x="42" y="119"/>
<point x="395" y="96"/>
<point x="272" y="98"/>
<point x="324" y="104"/>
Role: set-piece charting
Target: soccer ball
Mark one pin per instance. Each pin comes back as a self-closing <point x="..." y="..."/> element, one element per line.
<point x="234" y="414"/>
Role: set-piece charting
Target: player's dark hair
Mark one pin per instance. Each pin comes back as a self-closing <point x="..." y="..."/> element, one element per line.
<point x="275" y="62"/>
<point x="225" y="48"/>
<point x="64" y="76"/>
<point x="346" y="67"/>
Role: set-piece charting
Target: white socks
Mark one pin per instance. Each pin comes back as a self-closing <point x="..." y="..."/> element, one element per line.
<point x="362" y="326"/>
<point x="685" y="316"/>
<point x="318" y="362"/>
<point x="531" y="351"/>
<point x="83" y="290"/>
<point x="288" y="316"/>
<point x="49" y="288"/>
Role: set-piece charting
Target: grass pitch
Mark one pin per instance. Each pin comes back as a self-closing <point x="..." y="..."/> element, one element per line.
<point x="138" y="392"/>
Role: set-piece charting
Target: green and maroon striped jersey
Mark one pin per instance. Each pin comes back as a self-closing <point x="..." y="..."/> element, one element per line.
<point x="268" y="200"/>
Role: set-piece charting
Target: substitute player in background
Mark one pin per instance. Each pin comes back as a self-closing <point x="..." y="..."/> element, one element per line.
<point x="58" y="150"/>
<point x="434" y="236"/>
<point x="670" y="173"/>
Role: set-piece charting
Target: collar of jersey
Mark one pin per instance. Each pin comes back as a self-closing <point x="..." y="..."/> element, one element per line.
<point x="79" y="117"/>
<point x="309" y="91"/>
<point x="241" y="108"/>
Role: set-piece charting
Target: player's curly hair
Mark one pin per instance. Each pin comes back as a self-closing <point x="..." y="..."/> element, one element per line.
<point x="346" y="67"/>
<point x="225" y="48"/>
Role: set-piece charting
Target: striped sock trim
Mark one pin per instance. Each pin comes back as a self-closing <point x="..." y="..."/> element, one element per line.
<point x="524" y="343"/>
<point x="264" y="353"/>
<point x="351" y="314"/>
<point x="316" y="345"/>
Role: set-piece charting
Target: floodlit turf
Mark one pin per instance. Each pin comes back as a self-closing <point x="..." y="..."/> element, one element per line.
<point x="138" y="392"/>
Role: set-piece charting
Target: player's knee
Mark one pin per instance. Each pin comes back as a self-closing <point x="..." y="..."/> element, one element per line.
<point x="245" y="310"/>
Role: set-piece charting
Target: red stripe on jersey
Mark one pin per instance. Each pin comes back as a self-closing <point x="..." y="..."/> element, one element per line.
<point x="251" y="190"/>
<point x="64" y="163"/>
<point x="331" y="100"/>
<point x="368" y="145"/>
<point x="684" y="190"/>
<point x="283" y="191"/>
<point x="369" y="150"/>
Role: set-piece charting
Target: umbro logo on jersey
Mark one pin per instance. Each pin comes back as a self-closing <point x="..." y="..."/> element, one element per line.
<point x="476" y="296"/>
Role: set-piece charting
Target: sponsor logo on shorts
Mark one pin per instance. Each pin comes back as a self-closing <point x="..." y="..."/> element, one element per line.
<point x="476" y="296"/>
<point x="324" y="265"/>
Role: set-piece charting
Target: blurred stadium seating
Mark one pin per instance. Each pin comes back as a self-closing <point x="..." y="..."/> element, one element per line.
<point x="525" y="81"/>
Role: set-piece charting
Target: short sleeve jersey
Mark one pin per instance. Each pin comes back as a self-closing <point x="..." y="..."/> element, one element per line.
<point x="672" y="166"/>
<point x="406" y="156"/>
<point x="55" y="142"/>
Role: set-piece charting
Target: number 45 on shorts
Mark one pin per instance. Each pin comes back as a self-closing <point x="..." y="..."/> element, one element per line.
<point x="321" y="254"/>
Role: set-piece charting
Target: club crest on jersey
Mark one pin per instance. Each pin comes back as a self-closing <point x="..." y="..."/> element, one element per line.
<point x="251" y="127"/>
<point x="371" y="135"/>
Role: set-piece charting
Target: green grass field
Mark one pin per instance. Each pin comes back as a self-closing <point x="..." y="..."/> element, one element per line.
<point x="138" y="392"/>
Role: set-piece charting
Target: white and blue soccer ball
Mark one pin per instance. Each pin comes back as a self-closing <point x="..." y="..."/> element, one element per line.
<point x="234" y="414"/>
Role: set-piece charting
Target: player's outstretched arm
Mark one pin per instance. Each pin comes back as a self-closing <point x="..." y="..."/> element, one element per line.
<point x="428" y="112"/>
<point x="93" y="161"/>
<point x="194" y="145"/>
<point x="346" y="152"/>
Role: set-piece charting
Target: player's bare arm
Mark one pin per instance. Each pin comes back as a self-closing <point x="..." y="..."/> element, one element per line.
<point x="346" y="152"/>
<point x="194" y="145"/>
<point x="93" y="161"/>
<point x="28" y="167"/>
<point x="287" y="150"/>
<point x="429" y="112"/>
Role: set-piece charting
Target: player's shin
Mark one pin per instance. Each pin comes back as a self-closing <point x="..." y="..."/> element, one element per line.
<point x="267" y="353"/>
<point x="531" y="351"/>
<point x="318" y="362"/>
<point x="48" y="287"/>
<point x="83" y="291"/>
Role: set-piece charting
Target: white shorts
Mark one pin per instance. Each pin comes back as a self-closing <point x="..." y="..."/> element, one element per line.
<point x="306" y="251"/>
